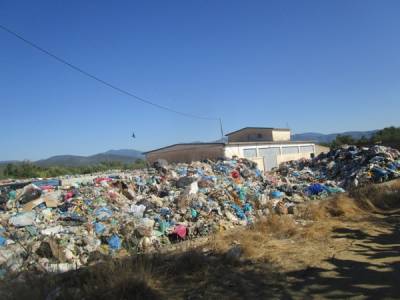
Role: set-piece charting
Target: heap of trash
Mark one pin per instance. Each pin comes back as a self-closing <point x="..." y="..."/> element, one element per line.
<point x="57" y="225"/>
<point x="348" y="167"/>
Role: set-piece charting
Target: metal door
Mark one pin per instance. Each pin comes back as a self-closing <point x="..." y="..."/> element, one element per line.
<point x="270" y="157"/>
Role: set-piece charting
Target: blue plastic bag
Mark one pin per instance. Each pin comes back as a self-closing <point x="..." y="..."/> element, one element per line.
<point x="276" y="194"/>
<point x="315" y="189"/>
<point x="114" y="242"/>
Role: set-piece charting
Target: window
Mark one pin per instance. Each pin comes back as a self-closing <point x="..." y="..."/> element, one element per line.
<point x="306" y="149"/>
<point x="290" y="150"/>
<point x="248" y="153"/>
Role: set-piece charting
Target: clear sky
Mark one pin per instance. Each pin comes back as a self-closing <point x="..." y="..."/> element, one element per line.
<point x="320" y="66"/>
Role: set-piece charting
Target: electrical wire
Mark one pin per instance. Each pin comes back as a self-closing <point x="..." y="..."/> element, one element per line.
<point x="112" y="86"/>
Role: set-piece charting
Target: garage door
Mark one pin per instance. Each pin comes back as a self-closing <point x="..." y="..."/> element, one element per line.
<point x="270" y="157"/>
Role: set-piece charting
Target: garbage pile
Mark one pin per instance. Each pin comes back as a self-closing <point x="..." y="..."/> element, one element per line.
<point x="56" y="226"/>
<point x="348" y="167"/>
<point x="46" y="226"/>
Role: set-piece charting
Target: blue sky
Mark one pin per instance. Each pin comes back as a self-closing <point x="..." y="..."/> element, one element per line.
<point x="321" y="66"/>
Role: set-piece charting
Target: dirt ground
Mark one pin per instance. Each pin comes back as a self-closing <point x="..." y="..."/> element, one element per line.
<point x="359" y="260"/>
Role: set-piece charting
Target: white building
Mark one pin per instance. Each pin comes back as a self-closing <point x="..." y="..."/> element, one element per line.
<point x="268" y="147"/>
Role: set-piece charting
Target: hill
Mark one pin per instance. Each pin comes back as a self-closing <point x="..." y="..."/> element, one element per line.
<point x="327" y="138"/>
<point x="122" y="155"/>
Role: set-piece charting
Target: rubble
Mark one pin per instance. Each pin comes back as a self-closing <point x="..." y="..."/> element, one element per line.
<point x="58" y="227"/>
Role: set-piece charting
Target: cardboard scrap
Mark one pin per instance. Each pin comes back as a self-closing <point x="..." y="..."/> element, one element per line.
<point x="32" y="204"/>
<point x="51" y="202"/>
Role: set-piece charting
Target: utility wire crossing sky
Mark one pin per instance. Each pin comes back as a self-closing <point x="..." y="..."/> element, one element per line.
<point x="78" y="69"/>
<point x="320" y="66"/>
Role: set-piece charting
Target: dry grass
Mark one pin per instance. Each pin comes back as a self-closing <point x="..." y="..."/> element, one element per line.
<point x="115" y="279"/>
<point x="378" y="198"/>
<point x="253" y="241"/>
<point x="339" y="206"/>
<point x="319" y="217"/>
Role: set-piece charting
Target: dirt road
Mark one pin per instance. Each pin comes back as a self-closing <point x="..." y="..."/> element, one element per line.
<point x="365" y="263"/>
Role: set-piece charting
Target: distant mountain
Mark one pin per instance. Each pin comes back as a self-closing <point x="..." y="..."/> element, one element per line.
<point x="4" y="162"/>
<point x="76" y="161"/>
<point x="327" y="138"/>
<point x="126" y="152"/>
<point x="123" y="155"/>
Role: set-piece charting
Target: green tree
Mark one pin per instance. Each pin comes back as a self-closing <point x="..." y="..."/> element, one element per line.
<point x="342" y="140"/>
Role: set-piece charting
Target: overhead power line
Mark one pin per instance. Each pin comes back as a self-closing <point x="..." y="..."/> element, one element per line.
<point x="112" y="86"/>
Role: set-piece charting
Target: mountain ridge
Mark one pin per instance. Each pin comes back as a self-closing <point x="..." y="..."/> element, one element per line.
<point x="327" y="138"/>
<point x="68" y="160"/>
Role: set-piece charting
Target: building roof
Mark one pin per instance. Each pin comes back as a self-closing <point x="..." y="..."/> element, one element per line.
<point x="184" y="144"/>
<point x="270" y="143"/>
<point x="232" y="143"/>
<point x="261" y="128"/>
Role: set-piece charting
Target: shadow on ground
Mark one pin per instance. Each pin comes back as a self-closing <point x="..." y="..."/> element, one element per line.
<point x="369" y="269"/>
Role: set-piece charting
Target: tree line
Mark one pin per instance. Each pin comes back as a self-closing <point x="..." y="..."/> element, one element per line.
<point x="27" y="169"/>
<point x="389" y="136"/>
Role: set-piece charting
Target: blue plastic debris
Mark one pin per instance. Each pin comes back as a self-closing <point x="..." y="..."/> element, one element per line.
<point x="379" y="173"/>
<point x="99" y="228"/>
<point x="165" y="211"/>
<point x="182" y="171"/>
<point x="3" y="241"/>
<point x="334" y="190"/>
<point x="103" y="213"/>
<point x="193" y="213"/>
<point x="242" y="194"/>
<point x="114" y="242"/>
<point x="239" y="212"/>
<point x="47" y="182"/>
<point x="276" y="194"/>
<point x="315" y="189"/>
<point x="164" y="225"/>
<point x="247" y="207"/>
<point x="12" y="195"/>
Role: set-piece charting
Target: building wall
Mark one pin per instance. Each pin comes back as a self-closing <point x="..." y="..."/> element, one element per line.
<point x="279" y="135"/>
<point x="251" y="135"/>
<point x="239" y="150"/>
<point x="187" y="153"/>
<point x="259" y="161"/>
<point x="258" y="135"/>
